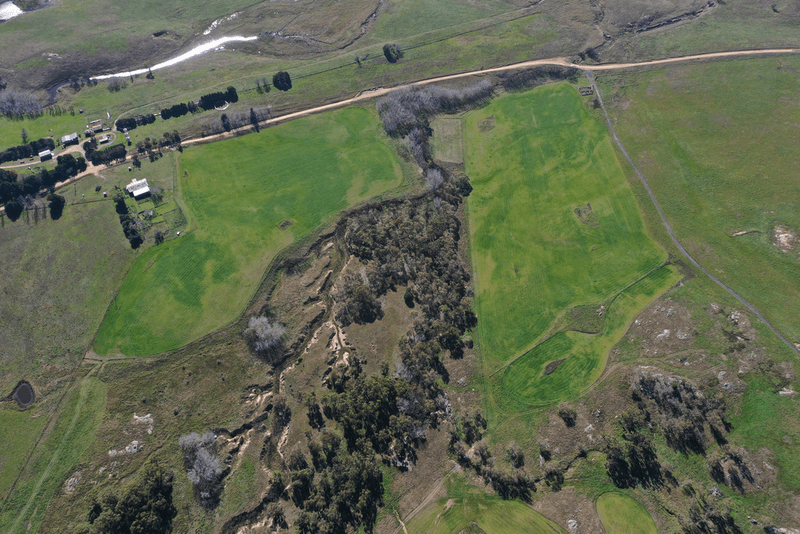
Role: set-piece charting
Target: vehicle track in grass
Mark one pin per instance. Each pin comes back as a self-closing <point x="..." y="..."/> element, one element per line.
<point x="590" y="75"/>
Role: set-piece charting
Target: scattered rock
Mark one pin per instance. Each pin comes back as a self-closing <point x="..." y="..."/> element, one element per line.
<point x="145" y="420"/>
<point x="573" y="525"/>
<point x="72" y="483"/>
<point x="716" y="492"/>
<point x="715" y="308"/>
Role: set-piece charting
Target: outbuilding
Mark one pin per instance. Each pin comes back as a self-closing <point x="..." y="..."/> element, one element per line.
<point x="45" y="155"/>
<point x="70" y="139"/>
<point x="138" y="188"/>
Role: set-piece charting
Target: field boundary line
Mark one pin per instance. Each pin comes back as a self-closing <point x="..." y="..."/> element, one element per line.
<point x="590" y="76"/>
<point x="613" y="298"/>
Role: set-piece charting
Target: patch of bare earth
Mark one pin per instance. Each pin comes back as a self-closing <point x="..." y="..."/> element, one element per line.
<point x="570" y="509"/>
<point x="665" y="327"/>
<point x="784" y="238"/>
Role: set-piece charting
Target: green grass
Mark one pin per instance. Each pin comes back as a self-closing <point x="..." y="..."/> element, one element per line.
<point x="236" y="194"/>
<point x="20" y="432"/>
<point x="533" y="258"/>
<point x="585" y="353"/>
<point x="410" y="17"/>
<point x="53" y="459"/>
<point x="471" y="510"/>
<point x="58" y="278"/>
<point x="622" y="514"/>
<point x="734" y="25"/>
<point x="446" y="142"/>
<point x="712" y="139"/>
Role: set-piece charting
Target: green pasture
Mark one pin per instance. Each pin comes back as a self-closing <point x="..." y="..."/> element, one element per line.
<point x="469" y="509"/>
<point x="714" y="141"/>
<point x="446" y="142"/>
<point x="58" y="278"/>
<point x="236" y="193"/>
<point x="542" y="157"/>
<point x="525" y="379"/>
<point x="21" y="429"/>
<point x="733" y="25"/>
<point x="51" y="463"/>
<point x="404" y="18"/>
<point x="47" y="125"/>
<point x="622" y="514"/>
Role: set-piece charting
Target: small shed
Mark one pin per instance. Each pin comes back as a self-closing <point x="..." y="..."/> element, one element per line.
<point x="70" y="139"/>
<point x="45" y="155"/>
<point x="138" y="188"/>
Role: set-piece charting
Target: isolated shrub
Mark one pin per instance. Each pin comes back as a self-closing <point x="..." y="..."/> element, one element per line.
<point x="392" y="52"/>
<point x="56" y="204"/>
<point x="568" y="414"/>
<point x="14" y="209"/>
<point x="281" y="415"/>
<point x="264" y="336"/>
<point x="282" y="81"/>
<point x="515" y="455"/>
<point x="203" y="467"/>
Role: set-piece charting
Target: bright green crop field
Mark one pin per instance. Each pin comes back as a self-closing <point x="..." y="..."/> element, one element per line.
<point x="712" y="141"/>
<point x="236" y="194"/>
<point x="621" y="514"/>
<point x="534" y="158"/>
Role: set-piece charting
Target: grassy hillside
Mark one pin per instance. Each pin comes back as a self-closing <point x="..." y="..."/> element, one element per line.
<point x="554" y="224"/>
<point x="58" y="277"/>
<point x="530" y="380"/>
<point x="469" y="509"/>
<point x="237" y="194"/>
<point x="622" y="514"/>
<point x="712" y="141"/>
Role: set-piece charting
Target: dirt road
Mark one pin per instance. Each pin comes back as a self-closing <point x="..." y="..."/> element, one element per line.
<point x="560" y="61"/>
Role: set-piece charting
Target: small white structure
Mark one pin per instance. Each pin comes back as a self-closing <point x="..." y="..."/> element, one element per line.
<point x="138" y="188"/>
<point x="70" y="139"/>
<point x="44" y="155"/>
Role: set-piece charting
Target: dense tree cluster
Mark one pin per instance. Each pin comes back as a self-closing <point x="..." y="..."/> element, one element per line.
<point x="525" y="79"/>
<point x="681" y="410"/>
<point x="27" y="150"/>
<point x="19" y="104"/>
<point x="130" y="226"/>
<point x="178" y="110"/>
<point x="282" y="81"/>
<point x="415" y="244"/>
<point x="410" y="107"/>
<point x="132" y="122"/>
<point x="106" y="156"/>
<point x="11" y="188"/>
<point x="202" y="466"/>
<point x="407" y="111"/>
<point x="344" y="494"/>
<point x="218" y="99"/>
<point x="145" y="507"/>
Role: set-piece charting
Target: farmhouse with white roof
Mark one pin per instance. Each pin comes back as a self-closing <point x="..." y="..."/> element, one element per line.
<point x="138" y="188"/>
